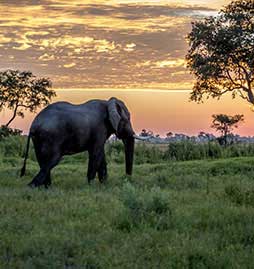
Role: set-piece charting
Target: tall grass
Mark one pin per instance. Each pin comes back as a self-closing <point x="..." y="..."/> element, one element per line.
<point x="185" y="151"/>
<point x="14" y="146"/>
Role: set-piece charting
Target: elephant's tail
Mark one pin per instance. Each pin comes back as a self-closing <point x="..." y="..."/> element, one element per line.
<point x="23" y="170"/>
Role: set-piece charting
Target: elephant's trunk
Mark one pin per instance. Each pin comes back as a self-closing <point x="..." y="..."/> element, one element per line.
<point x="129" y="152"/>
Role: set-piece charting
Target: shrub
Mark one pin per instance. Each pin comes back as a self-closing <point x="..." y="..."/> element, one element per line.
<point x="145" y="153"/>
<point x="6" y="131"/>
<point x="115" y="152"/>
<point x="187" y="150"/>
<point x="148" y="207"/>
<point x="239" y="195"/>
<point x="12" y="146"/>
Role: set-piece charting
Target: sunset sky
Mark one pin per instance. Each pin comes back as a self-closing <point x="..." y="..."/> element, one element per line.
<point x="114" y="44"/>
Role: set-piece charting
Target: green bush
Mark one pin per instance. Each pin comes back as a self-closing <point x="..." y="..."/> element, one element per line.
<point x="145" y="207"/>
<point x="115" y="152"/>
<point x="187" y="150"/>
<point x="12" y="146"/>
<point x="147" y="154"/>
<point x="5" y="131"/>
<point x="239" y="195"/>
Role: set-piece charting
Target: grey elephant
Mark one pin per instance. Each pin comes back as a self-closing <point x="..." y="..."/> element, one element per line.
<point x="63" y="128"/>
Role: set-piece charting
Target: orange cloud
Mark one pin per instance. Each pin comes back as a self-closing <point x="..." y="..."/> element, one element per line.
<point x="114" y="43"/>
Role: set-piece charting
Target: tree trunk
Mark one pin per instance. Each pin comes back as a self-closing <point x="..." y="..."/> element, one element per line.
<point x="13" y="116"/>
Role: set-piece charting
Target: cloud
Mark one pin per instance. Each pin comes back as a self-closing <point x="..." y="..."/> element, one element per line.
<point x="69" y="65"/>
<point x="114" y="43"/>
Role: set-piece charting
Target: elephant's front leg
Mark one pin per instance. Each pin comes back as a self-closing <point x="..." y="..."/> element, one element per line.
<point x="102" y="171"/>
<point x="96" y="156"/>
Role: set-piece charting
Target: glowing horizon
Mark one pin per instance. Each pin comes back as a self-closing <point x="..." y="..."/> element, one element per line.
<point x="160" y="111"/>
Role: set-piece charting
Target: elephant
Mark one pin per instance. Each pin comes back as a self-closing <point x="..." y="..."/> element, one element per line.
<point x="63" y="128"/>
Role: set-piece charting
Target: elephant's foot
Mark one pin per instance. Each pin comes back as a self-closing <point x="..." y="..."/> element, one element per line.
<point x="103" y="179"/>
<point x="47" y="183"/>
<point x="36" y="184"/>
<point x="31" y="185"/>
<point x="90" y="180"/>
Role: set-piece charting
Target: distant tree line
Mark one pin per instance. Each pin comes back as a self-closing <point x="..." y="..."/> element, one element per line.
<point x="222" y="123"/>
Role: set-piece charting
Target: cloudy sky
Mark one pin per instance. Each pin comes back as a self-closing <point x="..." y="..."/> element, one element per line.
<point x="101" y="44"/>
<point x="86" y="46"/>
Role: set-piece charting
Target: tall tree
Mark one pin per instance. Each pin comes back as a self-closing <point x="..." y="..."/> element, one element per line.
<point x="221" y="54"/>
<point x="21" y="91"/>
<point x="225" y="124"/>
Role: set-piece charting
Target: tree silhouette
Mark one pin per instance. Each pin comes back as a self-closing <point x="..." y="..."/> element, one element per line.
<point x="21" y="91"/>
<point x="225" y="124"/>
<point x="169" y="134"/>
<point x="221" y="54"/>
<point x="146" y="133"/>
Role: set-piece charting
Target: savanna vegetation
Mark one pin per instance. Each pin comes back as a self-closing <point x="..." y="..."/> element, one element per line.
<point x="172" y="213"/>
<point x="187" y="205"/>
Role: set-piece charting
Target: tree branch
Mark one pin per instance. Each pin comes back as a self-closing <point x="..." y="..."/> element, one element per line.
<point x="242" y="96"/>
<point x="234" y="83"/>
<point x="13" y="116"/>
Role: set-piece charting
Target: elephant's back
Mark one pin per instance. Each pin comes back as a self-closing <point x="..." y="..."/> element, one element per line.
<point x="61" y="115"/>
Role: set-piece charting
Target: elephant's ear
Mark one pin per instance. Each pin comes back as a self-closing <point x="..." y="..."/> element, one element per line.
<point x="114" y="116"/>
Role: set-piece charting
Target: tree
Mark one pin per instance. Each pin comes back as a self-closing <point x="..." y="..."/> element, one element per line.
<point x="169" y="134"/>
<point x="21" y="91"/>
<point x="221" y="54"/>
<point x="146" y="133"/>
<point x="225" y="125"/>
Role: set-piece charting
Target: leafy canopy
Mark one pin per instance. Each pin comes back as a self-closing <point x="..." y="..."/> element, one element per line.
<point x="225" y="123"/>
<point x="21" y="91"/>
<point x="221" y="54"/>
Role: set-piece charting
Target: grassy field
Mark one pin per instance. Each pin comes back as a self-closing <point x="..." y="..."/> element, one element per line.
<point x="185" y="214"/>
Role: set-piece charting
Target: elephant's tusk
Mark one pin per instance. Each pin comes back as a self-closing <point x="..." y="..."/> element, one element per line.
<point x="143" y="138"/>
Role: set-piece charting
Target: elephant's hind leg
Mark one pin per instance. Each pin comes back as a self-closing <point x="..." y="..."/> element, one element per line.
<point x="41" y="161"/>
<point x="46" y="162"/>
<point x="43" y="177"/>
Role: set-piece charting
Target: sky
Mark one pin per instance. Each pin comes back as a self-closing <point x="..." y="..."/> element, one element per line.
<point x="101" y="44"/>
<point x="133" y="50"/>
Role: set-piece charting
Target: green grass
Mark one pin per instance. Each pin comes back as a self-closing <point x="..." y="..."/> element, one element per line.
<point x="192" y="214"/>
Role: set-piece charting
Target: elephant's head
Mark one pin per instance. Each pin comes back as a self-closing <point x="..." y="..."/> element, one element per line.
<point x="119" y="117"/>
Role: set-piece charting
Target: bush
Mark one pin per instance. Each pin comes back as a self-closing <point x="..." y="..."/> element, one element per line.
<point x="115" y="152"/>
<point x="240" y="196"/>
<point x="187" y="150"/>
<point x="147" y="207"/>
<point x="12" y="146"/>
<point x="145" y="153"/>
<point x="6" y="131"/>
